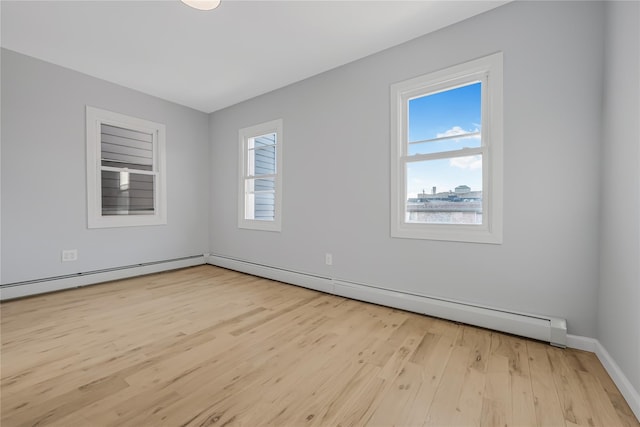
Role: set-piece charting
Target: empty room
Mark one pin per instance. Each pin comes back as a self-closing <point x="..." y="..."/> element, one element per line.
<point x="320" y="213"/>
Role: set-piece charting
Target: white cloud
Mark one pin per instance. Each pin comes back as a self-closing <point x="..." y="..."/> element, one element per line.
<point x="457" y="130"/>
<point x="471" y="162"/>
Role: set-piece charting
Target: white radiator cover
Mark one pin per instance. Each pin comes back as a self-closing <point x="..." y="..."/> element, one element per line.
<point x="544" y="328"/>
<point x="53" y="284"/>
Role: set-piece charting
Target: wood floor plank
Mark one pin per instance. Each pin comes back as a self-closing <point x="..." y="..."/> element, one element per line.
<point x="522" y="399"/>
<point x="497" y="403"/>
<point x="479" y="342"/>
<point x="470" y="402"/>
<point x="433" y="364"/>
<point x="546" y="400"/>
<point x="348" y="406"/>
<point x="208" y="346"/>
<point x="588" y="362"/>
<point x="445" y="402"/>
<point x="601" y="408"/>
<point x="572" y="394"/>
<point x="393" y="407"/>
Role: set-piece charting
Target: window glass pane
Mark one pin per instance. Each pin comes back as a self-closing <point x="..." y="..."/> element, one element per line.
<point x="266" y="184"/>
<point x="125" y="146"/>
<point x="127" y="193"/>
<point x="262" y="141"/>
<point x="265" y="204"/>
<point x="444" y="191"/>
<point x="260" y="199"/>
<point x="127" y="165"/>
<point x="262" y="161"/>
<point x="444" y="114"/>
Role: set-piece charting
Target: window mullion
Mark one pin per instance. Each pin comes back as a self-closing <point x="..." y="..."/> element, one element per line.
<point x="130" y="170"/>
<point x="445" y="138"/>
<point x="266" y="176"/>
<point x="261" y="191"/>
<point x="444" y="154"/>
<point x="262" y="147"/>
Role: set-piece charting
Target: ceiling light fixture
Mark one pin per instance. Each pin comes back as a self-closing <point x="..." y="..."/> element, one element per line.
<point x="202" y="4"/>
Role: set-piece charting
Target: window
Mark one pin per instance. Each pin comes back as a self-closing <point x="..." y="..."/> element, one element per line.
<point x="446" y="146"/>
<point x="125" y="170"/>
<point x="260" y="187"/>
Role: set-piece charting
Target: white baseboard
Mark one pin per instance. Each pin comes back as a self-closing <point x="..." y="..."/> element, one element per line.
<point x="582" y="343"/>
<point x="621" y="381"/>
<point x="317" y="283"/>
<point x="34" y="287"/>
<point x="629" y="392"/>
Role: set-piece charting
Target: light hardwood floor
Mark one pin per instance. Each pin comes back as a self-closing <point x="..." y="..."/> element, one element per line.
<point x="207" y="346"/>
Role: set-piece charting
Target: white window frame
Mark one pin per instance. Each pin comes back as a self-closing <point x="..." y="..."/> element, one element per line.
<point x="95" y="117"/>
<point x="245" y="134"/>
<point x="488" y="70"/>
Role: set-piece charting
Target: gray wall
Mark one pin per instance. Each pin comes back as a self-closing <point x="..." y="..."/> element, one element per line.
<point x="619" y="296"/>
<point x="44" y="208"/>
<point x="336" y="168"/>
<point x="336" y="173"/>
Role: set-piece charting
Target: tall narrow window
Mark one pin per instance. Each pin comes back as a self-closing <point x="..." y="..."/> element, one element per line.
<point x="125" y="170"/>
<point x="447" y="154"/>
<point x="259" y="200"/>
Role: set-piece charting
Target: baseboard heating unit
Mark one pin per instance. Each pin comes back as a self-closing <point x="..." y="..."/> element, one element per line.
<point x="51" y="284"/>
<point x="549" y="329"/>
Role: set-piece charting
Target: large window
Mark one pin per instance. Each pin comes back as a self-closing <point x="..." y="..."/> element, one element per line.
<point x="447" y="154"/>
<point x="260" y="192"/>
<point x="125" y="170"/>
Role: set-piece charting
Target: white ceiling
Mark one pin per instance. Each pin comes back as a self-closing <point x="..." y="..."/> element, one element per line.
<point x="210" y="60"/>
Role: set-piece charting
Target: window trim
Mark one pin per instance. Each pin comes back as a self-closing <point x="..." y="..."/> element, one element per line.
<point x="274" y="126"/>
<point x="95" y="117"/>
<point x="489" y="68"/>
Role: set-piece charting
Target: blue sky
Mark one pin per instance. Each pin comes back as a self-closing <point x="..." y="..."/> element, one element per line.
<point x="452" y="112"/>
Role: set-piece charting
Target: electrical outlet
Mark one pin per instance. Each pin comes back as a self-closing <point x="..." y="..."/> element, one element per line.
<point x="328" y="259"/>
<point x="69" y="255"/>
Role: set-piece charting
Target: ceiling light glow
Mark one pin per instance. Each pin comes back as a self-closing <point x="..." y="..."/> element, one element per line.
<point x="202" y="4"/>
